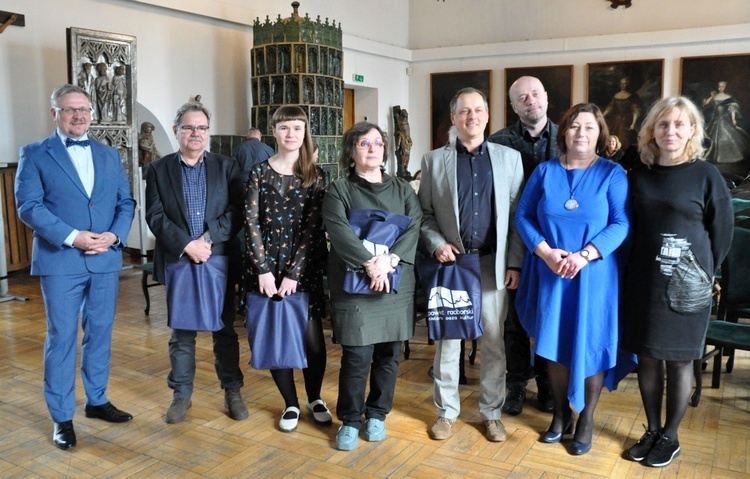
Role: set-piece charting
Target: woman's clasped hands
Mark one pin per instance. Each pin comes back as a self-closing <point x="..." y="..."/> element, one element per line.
<point x="564" y="263"/>
<point x="377" y="268"/>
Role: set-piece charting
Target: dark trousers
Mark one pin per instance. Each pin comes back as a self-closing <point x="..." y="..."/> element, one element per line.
<point x="226" y="351"/>
<point x="381" y="362"/>
<point x="518" y="350"/>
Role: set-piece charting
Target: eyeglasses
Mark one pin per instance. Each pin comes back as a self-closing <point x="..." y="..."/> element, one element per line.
<point x="71" y="111"/>
<point x="193" y="129"/>
<point x="366" y="144"/>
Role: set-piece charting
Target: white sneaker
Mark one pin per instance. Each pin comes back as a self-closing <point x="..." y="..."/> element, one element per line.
<point x="320" y="412"/>
<point x="289" y="419"/>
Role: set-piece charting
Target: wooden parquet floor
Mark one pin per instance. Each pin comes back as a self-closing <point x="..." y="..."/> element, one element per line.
<point x="715" y="436"/>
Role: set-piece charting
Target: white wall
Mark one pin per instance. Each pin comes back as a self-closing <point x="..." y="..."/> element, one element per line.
<point x="187" y="47"/>
<point x="452" y="22"/>
<point x="577" y="51"/>
<point x="384" y="21"/>
<point x="180" y="54"/>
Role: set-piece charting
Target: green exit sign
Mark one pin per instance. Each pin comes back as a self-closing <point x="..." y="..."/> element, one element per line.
<point x="359" y="78"/>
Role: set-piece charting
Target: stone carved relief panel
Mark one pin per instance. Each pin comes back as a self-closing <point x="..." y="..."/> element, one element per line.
<point x="104" y="64"/>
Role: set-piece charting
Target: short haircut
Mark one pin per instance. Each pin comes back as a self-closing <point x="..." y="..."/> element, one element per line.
<point x="646" y="142"/>
<point x="570" y="116"/>
<point x="64" y="90"/>
<point x="349" y="143"/>
<point x="188" y="107"/>
<point x="463" y="91"/>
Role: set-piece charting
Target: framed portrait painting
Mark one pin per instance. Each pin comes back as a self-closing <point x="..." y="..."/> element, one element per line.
<point x="443" y="86"/>
<point x="625" y="91"/>
<point x="557" y="80"/>
<point x="719" y="86"/>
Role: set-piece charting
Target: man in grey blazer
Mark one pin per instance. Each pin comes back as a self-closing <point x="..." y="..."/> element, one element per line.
<point x="194" y="207"/>
<point x="74" y="193"/>
<point x="469" y="191"/>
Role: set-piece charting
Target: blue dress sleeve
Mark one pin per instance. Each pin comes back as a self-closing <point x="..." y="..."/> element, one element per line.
<point x="527" y="221"/>
<point x="618" y="226"/>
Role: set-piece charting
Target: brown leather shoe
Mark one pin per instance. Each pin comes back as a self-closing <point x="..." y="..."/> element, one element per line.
<point x="495" y="430"/>
<point x="441" y="430"/>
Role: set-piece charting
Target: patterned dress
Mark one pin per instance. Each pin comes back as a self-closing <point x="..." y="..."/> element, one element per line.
<point x="284" y="232"/>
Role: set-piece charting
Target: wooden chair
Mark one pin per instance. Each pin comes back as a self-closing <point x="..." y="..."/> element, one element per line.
<point x="733" y="180"/>
<point x="147" y="269"/>
<point x="735" y="274"/>
<point x="723" y="335"/>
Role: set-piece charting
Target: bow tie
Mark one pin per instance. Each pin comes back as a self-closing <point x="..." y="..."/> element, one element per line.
<point x="71" y="142"/>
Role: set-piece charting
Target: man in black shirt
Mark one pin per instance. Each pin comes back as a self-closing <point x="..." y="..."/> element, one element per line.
<point x="469" y="192"/>
<point x="534" y="136"/>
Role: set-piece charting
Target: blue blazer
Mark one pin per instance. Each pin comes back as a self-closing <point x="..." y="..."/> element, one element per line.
<point x="51" y="200"/>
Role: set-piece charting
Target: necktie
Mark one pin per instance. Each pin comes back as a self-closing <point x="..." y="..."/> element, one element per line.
<point x="71" y="142"/>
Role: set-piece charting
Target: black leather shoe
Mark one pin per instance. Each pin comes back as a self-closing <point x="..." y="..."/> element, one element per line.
<point x="64" y="436"/>
<point x="107" y="412"/>
<point x="514" y="399"/>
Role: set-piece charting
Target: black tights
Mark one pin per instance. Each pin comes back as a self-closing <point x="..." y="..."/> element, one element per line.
<point x="313" y="373"/>
<point x="559" y="377"/>
<point x="679" y="386"/>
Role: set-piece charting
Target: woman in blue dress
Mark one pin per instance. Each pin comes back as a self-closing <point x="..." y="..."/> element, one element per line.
<point x="572" y="217"/>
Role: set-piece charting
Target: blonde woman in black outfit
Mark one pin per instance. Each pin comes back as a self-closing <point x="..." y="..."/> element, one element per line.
<point x="682" y="227"/>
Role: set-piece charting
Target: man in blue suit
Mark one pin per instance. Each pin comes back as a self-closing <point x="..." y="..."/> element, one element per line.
<point x="74" y="193"/>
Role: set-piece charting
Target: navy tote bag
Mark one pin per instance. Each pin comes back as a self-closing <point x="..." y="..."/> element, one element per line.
<point x="454" y="297"/>
<point x="276" y="329"/>
<point x="378" y="231"/>
<point x="195" y="293"/>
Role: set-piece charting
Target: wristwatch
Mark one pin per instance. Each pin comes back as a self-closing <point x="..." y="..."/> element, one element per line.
<point x="394" y="260"/>
<point x="584" y="253"/>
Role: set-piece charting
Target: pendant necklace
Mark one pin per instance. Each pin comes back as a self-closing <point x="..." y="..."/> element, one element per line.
<point x="571" y="203"/>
